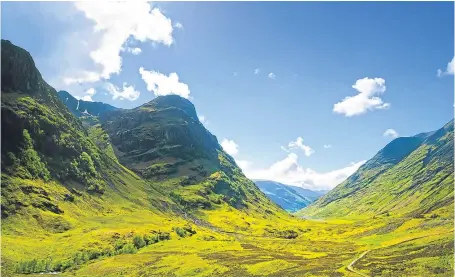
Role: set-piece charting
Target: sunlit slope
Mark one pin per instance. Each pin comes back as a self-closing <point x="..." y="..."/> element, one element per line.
<point x="67" y="200"/>
<point x="410" y="177"/>
<point x="163" y="141"/>
<point x="60" y="190"/>
<point x="88" y="197"/>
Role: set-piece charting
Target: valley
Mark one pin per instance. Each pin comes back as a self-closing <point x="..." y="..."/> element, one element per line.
<point x="149" y="191"/>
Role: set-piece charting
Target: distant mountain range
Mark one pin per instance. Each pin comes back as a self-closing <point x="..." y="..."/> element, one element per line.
<point x="84" y="108"/>
<point x="290" y="198"/>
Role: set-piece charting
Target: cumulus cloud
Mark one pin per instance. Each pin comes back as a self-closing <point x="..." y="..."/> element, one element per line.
<point x="284" y="149"/>
<point x="134" y="51"/>
<point x="161" y="84"/>
<point x="367" y="98"/>
<point x="289" y="171"/>
<point x="230" y="147"/>
<point x="115" y="23"/>
<point x="96" y="38"/>
<point x="256" y="71"/>
<point x="298" y="143"/>
<point x="178" y="25"/>
<point x="272" y="76"/>
<point x="87" y="98"/>
<point x="450" y="68"/>
<point x="87" y="95"/>
<point x="390" y="133"/>
<point x="126" y="92"/>
<point x="326" y="146"/>
<point x="203" y="120"/>
<point x="243" y="164"/>
<point x="91" y="91"/>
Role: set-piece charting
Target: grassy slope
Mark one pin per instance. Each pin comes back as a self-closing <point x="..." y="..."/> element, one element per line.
<point x="88" y="233"/>
<point x="411" y="200"/>
<point x="418" y="185"/>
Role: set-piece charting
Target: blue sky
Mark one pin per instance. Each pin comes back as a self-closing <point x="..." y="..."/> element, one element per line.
<point x="262" y="74"/>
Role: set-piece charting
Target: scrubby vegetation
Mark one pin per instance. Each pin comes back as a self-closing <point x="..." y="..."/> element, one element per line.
<point x="149" y="192"/>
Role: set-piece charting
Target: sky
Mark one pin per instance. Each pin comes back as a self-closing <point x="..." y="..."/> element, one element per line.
<point x="301" y="93"/>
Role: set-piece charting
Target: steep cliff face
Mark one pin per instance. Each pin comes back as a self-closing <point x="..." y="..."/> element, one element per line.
<point x="41" y="138"/>
<point x="165" y="128"/>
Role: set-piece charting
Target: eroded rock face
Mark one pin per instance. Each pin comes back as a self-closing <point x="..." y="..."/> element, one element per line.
<point x="163" y="140"/>
<point x="19" y="73"/>
<point x="166" y="127"/>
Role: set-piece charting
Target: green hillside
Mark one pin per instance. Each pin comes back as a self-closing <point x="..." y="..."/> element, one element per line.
<point x="410" y="177"/>
<point x="150" y="192"/>
<point x="164" y="141"/>
<point x="66" y="198"/>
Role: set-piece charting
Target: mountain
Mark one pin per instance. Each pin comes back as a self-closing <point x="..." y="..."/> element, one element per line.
<point x="164" y="140"/>
<point x="73" y="192"/>
<point x="41" y="138"/>
<point x="84" y="108"/>
<point x="283" y="195"/>
<point x="409" y="177"/>
<point x="312" y="195"/>
<point x="150" y="192"/>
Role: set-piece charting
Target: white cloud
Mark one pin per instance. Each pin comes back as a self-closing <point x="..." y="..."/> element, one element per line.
<point x="272" y="76"/>
<point x="390" y="133"/>
<point x="230" y="147"/>
<point x="256" y="71"/>
<point x="91" y="91"/>
<point x="134" y="51"/>
<point x="126" y="92"/>
<point x="288" y="171"/>
<point x="161" y="84"/>
<point x="326" y="146"/>
<point x="450" y="69"/>
<point x="284" y="149"/>
<point x="88" y="95"/>
<point x="96" y="36"/>
<point x="243" y="164"/>
<point x="114" y="24"/>
<point x="298" y="143"/>
<point x="365" y="100"/>
<point x="203" y="120"/>
<point x="87" y="98"/>
<point x="178" y="25"/>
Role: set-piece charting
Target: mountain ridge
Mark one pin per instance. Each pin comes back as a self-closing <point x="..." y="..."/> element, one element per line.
<point x="150" y="192"/>
<point x="399" y="169"/>
<point x="283" y="195"/>
<point x="80" y="107"/>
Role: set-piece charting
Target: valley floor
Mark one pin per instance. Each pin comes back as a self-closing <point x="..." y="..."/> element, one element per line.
<point x="323" y="248"/>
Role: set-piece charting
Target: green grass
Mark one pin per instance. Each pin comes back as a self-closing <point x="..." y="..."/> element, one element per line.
<point x="70" y="205"/>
